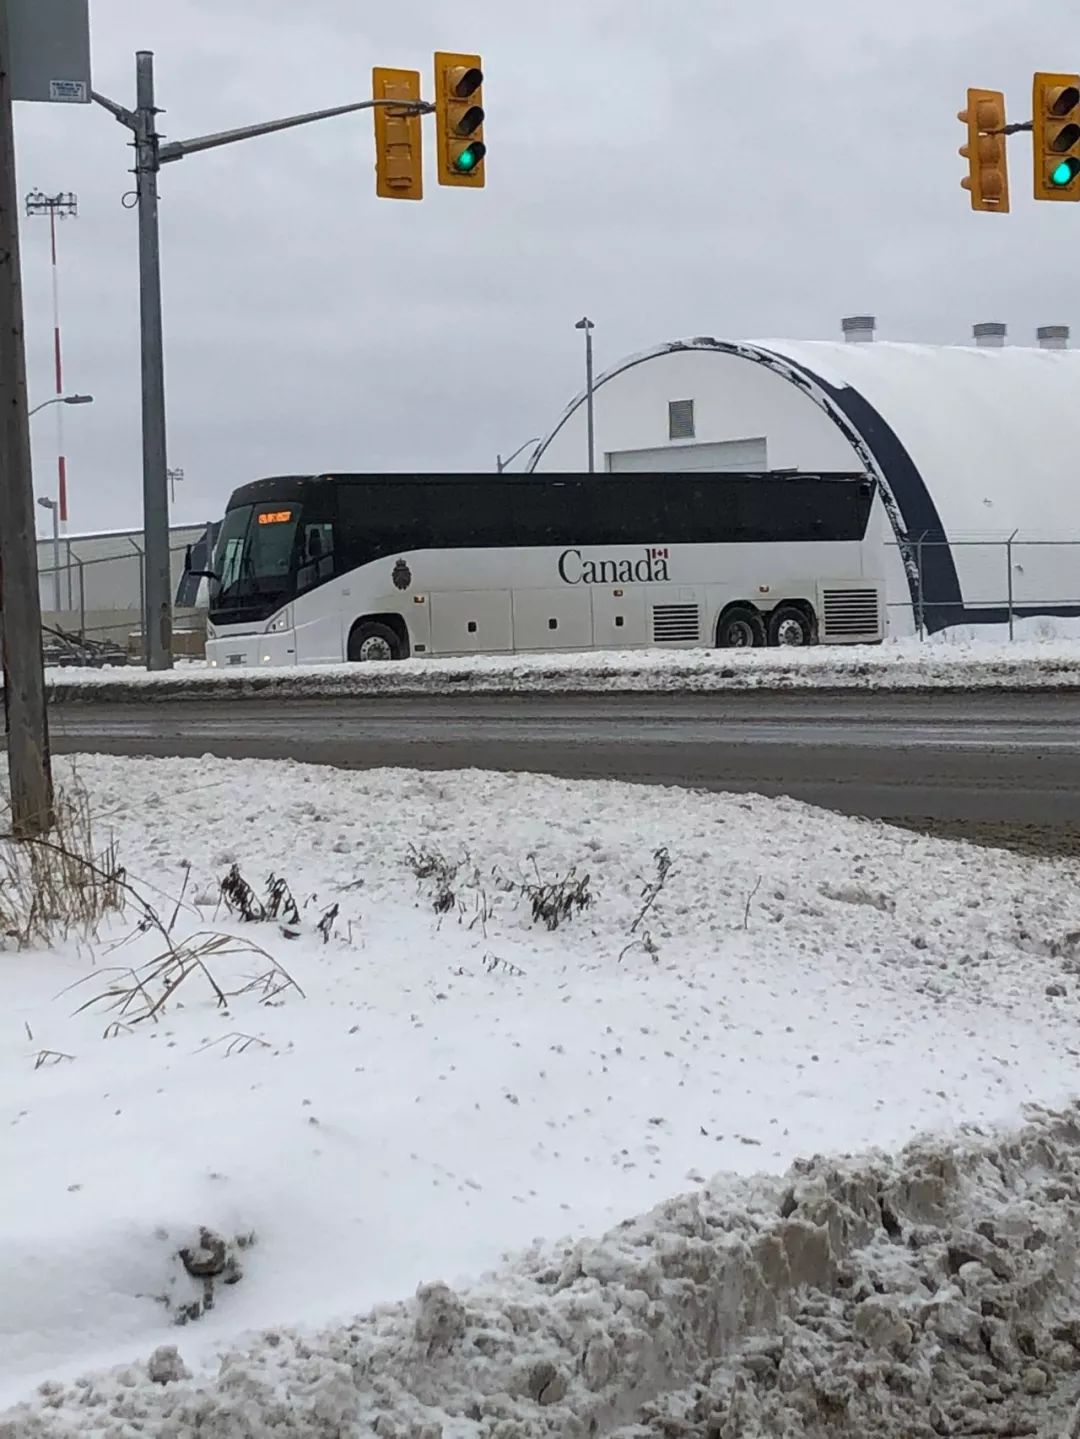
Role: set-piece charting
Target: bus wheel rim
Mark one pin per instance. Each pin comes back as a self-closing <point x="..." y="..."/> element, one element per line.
<point x="375" y="648"/>
<point x="789" y="632"/>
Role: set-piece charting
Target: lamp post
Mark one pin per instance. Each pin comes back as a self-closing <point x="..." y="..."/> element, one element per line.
<point x="64" y="400"/>
<point x="49" y="504"/>
<point x="587" y="325"/>
<point x="501" y="464"/>
<point x="61" y="206"/>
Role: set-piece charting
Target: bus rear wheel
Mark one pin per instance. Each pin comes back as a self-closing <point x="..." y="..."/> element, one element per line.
<point x="740" y="628"/>
<point x="373" y="641"/>
<point x="790" y="626"/>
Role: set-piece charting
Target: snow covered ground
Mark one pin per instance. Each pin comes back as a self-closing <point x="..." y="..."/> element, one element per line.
<point x="417" y="1095"/>
<point x="960" y="661"/>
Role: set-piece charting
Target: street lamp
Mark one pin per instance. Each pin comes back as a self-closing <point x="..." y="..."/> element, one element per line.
<point x="49" y="504"/>
<point x="501" y="464"/>
<point x="587" y="325"/>
<point x="64" y="400"/>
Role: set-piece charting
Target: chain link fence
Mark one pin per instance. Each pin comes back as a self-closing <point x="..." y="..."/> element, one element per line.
<point x="979" y="580"/>
<point x="102" y="596"/>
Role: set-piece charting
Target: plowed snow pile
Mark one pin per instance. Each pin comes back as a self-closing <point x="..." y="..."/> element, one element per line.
<point x="932" y="1294"/>
<point x="368" y="1034"/>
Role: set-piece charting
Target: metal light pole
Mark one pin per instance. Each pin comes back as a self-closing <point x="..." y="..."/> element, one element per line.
<point x="29" y="768"/>
<point x="49" y="504"/>
<point x="501" y="464"/>
<point x="63" y="400"/>
<point x="175" y="476"/>
<point x="60" y="206"/>
<point x="587" y="325"/>
<point x="157" y="618"/>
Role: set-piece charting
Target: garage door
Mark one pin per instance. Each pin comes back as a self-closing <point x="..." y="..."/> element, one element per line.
<point x="722" y="455"/>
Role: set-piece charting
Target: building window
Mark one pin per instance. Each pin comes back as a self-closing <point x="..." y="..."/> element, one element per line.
<point x="680" y="419"/>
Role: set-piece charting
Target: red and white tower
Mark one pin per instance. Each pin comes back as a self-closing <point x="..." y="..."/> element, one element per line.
<point x="62" y="206"/>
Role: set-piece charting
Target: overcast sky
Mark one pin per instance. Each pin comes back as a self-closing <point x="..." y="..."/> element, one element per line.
<point x="745" y="169"/>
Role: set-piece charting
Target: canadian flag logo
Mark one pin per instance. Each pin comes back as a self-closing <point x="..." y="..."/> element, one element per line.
<point x="658" y="553"/>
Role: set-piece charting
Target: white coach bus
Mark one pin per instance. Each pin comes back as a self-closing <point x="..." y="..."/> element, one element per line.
<point x="324" y="568"/>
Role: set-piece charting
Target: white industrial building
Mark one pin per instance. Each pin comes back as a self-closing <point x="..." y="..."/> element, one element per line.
<point x="92" y="583"/>
<point x="976" y="450"/>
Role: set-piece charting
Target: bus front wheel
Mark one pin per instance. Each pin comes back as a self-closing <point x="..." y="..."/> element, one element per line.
<point x="740" y="628"/>
<point x="374" y="641"/>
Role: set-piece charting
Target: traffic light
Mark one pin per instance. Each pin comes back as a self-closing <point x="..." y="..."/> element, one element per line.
<point x="399" y="168"/>
<point x="459" y="119"/>
<point x="1056" y="131"/>
<point x="988" y="166"/>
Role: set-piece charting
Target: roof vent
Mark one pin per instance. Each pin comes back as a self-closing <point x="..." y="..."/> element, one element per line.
<point x="858" y="329"/>
<point x="990" y="334"/>
<point x="1053" y="337"/>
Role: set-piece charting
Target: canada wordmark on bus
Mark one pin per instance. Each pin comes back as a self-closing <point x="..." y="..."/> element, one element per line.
<point x="651" y="569"/>
<point x="324" y="568"/>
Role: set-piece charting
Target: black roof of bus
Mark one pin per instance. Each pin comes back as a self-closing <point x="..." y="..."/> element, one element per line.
<point x="282" y="487"/>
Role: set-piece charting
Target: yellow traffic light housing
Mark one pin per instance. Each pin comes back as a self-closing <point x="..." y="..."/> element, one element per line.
<point x="399" y="160"/>
<point x="1055" y="127"/>
<point x="988" y="167"/>
<point x="459" y="120"/>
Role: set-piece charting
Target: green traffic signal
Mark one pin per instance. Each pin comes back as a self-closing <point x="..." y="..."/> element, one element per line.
<point x="459" y="119"/>
<point x="1055" y="125"/>
<point x="469" y="158"/>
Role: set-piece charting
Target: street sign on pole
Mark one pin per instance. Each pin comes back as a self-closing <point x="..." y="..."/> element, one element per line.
<point x="50" y="50"/>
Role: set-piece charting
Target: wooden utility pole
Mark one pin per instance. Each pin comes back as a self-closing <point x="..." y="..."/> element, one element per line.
<point x="29" y="769"/>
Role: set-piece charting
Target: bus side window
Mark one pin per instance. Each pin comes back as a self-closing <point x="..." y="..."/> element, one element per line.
<point x="317" y="557"/>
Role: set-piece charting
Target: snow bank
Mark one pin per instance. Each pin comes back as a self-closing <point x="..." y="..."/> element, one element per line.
<point x="930" y="1294"/>
<point x="1036" y="629"/>
<point x="957" y="663"/>
<point x="451" y="1085"/>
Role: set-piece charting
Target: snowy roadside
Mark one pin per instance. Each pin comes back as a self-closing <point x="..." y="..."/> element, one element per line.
<point x="427" y="1092"/>
<point x="934" y="1294"/>
<point x="963" y="665"/>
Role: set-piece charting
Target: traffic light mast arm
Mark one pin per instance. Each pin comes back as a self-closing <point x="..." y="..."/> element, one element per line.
<point x="177" y="149"/>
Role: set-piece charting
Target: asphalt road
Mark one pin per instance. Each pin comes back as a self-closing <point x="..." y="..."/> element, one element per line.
<point x="990" y="766"/>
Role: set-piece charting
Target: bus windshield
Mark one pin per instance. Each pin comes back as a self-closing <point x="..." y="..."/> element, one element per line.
<point x="253" y="560"/>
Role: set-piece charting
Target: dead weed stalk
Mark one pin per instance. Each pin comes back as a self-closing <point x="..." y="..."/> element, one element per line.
<point x="554" y="901"/>
<point x="134" y="995"/>
<point x="53" y="886"/>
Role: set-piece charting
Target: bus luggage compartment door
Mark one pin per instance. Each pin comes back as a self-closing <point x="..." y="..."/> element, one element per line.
<point x="471" y="622"/>
<point x="553" y="619"/>
<point x="618" y="617"/>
